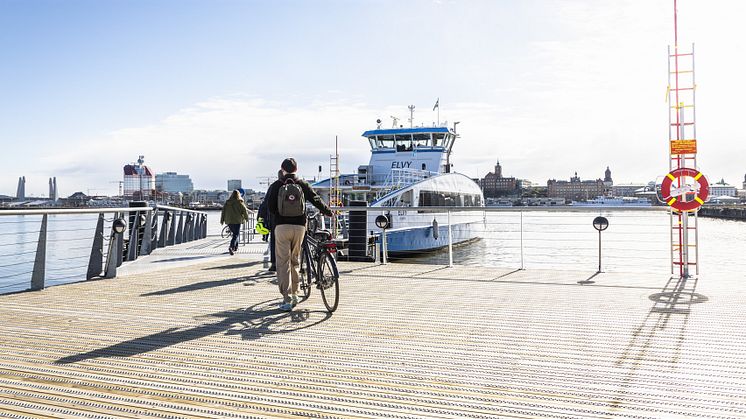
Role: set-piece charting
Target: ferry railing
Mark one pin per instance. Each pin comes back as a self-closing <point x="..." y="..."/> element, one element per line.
<point x="43" y="247"/>
<point x="561" y="237"/>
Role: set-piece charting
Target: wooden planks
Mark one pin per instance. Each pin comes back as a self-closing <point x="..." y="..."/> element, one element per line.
<point x="207" y="340"/>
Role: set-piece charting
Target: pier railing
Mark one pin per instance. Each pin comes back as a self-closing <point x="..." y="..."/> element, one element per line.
<point x="46" y="247"/>
<point x="528" y="237"/>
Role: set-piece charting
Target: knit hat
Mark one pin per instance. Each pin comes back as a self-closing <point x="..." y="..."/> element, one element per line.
<point x="289" y="165"/>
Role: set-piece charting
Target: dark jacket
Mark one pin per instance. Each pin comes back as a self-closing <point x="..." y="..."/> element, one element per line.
<point x="308" y="194"/>
<point x="263" y="212"/>
<point x="234" y="212"/>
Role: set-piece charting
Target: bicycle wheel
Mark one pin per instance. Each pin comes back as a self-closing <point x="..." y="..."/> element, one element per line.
<point x="328" y="281"/>
<point x="226" y="232"/>
<point x="304" y="276"/>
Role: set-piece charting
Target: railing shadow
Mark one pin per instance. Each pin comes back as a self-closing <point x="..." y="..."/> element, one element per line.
<point x="254" y="322"/>
<point x="669" y="313"/>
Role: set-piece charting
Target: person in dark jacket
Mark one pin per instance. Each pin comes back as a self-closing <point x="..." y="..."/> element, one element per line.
<point x="234" y="214"/>
<point x="289" y="232"/>
<point x="270" y="224"/>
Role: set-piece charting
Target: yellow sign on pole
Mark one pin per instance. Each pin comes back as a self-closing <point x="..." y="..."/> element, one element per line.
<point x="683" y="147"/>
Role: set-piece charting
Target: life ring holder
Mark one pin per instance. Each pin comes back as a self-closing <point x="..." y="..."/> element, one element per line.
<point x="681" y="205"/>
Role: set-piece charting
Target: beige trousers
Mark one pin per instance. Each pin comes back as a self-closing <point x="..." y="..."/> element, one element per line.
<point x="288" y="242"/>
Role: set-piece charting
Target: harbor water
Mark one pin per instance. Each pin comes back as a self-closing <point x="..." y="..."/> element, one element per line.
<point x="636" y="241"/>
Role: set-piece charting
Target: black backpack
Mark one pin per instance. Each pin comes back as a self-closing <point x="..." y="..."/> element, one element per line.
<point x="290" y="200"/>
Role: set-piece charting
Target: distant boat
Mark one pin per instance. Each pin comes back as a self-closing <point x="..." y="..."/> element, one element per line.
<point x="603" y="201"/>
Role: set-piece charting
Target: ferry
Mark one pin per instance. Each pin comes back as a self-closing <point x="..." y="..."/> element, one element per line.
<point x="410" y="168"/>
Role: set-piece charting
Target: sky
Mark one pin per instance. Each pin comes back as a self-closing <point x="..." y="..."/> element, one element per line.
<point x="226" y="89"/>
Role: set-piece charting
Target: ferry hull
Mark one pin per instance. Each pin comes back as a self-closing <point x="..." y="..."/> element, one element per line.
<point x="423" y="239"/>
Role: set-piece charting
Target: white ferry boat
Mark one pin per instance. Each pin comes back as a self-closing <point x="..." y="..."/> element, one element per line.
<point x="410" y="168"/>
<point x="603" y="201"/>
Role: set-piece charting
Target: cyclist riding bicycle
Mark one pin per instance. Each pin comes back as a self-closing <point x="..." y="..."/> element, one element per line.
<point x="286" y="198"/>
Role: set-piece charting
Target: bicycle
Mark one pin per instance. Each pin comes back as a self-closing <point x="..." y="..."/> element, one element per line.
<point x="318" y="266"/>
<point x="226" y="232"/>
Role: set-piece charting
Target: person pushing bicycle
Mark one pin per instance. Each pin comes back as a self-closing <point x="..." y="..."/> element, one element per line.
<point x="287" y="199"/>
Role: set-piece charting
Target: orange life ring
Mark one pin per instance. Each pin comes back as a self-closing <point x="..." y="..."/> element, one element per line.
<point x="679" y="203"/>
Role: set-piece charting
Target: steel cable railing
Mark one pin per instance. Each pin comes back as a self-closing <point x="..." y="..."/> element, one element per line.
<point x="532" y="238"/>
<point x="50" y="247"/>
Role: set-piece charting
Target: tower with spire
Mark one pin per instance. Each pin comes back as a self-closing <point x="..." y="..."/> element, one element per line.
<point x="607" y="178"/>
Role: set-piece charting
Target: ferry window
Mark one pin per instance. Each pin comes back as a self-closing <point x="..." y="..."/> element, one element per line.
<point x="468" y="200"/>
<point x="372" y="141"/>
<point x="425" y="199"/>
<point x="421" y="140"/>
<point x="386" y="141"/>
<point x="406" y="199"/>
<point x="403" y="142"/>
<point x="438" y="139"/>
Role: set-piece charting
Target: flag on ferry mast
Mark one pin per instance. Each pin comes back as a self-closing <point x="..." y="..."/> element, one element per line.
<point x="436" y="104"/>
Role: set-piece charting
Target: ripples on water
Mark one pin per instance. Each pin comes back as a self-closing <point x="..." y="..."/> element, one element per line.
<point x="634" y="242"/>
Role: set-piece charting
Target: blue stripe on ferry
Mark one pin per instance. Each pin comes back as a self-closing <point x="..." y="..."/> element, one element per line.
<point x="403" y="131"/>
<point x="427" y="150"/>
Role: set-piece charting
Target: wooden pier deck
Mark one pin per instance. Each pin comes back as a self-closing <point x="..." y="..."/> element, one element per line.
<point x="207" y="340"/>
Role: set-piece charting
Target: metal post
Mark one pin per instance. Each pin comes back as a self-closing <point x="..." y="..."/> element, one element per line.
<point x="522" y="266"/>
<point x="172" y="230"/>
<point x="112" y="256"/>
<point x="119" y="254"/>
<point x="188" y="228"/>
<point x="599" y="251"/>
<point x="132" y="246"/>
<point x="383" y="244"/>
<point x="180" y="229"/>
<point x="146" y="246"/>
<point x="95" y="262"/>
<point x="685" y="244"/>
<point x="37" y="277"/>
<point x="450" y="240"/>
<point x="164" y="230"/>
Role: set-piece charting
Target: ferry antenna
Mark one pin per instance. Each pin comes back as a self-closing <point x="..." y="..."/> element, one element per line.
<point x="411" y="116"/>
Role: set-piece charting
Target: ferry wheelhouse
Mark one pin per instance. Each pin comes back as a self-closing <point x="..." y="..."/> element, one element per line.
<point x="410" y="168"/>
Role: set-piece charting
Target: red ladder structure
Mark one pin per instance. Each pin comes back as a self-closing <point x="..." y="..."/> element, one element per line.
<point x="682" y="129"/>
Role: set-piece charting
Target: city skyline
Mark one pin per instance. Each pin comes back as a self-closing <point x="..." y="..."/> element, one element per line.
<point x="227" y="90"/>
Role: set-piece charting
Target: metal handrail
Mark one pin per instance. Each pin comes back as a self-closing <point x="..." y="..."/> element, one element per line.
<point x="506" y="209"/>
<point x="73" y="211"/>
<point x="170" y="208"/>
<point x="145" y="228"/>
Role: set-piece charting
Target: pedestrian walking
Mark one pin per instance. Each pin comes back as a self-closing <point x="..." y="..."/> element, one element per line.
<point x="234" y="214"/>
<point x="287" y="199"/>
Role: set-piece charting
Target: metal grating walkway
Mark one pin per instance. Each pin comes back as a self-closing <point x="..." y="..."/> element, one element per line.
<point x="206" y="340"/>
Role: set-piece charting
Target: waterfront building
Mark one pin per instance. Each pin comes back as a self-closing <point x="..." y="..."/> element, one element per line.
<point x="722" y="189"/>
<point x="576" y="189"/>
<point x="493" y="184"/>
<point x="524" y="184"/>
<point x="78" y="199"/>
<point x="53" y="195"/>
<point x="744" y="182"/>
<point x="210" y="197"/>
<point x="139" y="182"/>
<point x="173" y="183"/>
<point x="607" y="178"/>
<point x="628" y="189"/>
<point x="21" y="190"/>
<point x="234" y="184"/>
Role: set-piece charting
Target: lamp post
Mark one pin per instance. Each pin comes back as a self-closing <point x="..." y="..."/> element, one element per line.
<point x="382" y="222"/>
<point x="600" y="224"/>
